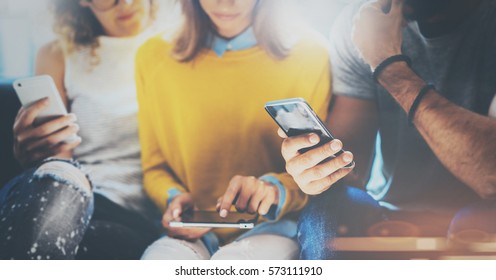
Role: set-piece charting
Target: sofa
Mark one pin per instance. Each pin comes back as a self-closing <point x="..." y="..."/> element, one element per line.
<point x="9" y="105"/>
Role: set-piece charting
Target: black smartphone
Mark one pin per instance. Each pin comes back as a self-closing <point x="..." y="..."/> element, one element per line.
<point x="295" y="117"/>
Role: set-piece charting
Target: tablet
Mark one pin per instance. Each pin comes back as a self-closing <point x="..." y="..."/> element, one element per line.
<point x="212" y="219"/>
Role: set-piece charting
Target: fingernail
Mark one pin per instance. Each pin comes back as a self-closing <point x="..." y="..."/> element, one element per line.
<point x="314" y="139"/>
<point x="223" y="213"/>
<point x="73" y="117"/>
<point x="76" y="126"/>
<point x="175" y="213"/>
<point x="218" y="205"/>
<point x="347" y="157"/>
<point x="335" y="145"/>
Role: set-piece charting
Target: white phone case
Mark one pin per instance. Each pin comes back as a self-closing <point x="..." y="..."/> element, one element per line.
<point x="30" y="90"/>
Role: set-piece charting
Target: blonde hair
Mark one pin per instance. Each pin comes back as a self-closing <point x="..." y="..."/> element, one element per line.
<point x="268" y="25"/>
<point x="77" y="26"/>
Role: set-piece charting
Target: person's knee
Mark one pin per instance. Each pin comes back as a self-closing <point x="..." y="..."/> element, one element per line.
<point x="259" y="247"/>
<point x="63" y="173"/>
<point x="340" y="205"/>
<point x="167" y="248"/>
<point x="340" y="211"/>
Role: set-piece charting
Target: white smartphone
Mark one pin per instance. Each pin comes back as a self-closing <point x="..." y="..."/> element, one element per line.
<point x="212" y="219"/>
<point x="295" y="117"/>
<point x="30" y="90"/>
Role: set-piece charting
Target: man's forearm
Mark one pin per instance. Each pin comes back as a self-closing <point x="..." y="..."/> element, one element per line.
<point x="464" y="141"/>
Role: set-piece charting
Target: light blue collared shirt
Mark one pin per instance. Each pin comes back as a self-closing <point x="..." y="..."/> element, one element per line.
<point x="243" y="41"/>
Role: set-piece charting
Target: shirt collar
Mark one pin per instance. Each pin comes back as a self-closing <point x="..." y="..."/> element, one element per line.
<point x="245" y="40"/>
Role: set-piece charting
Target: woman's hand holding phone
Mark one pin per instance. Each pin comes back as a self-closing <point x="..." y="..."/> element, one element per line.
<point x="310" y="170"/>
<point x="33" y="143"/>
<point x="179" y="205"/>
<point x="248" y="194"/>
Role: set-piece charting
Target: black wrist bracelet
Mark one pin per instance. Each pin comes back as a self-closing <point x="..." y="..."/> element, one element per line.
<point x="423" y="91"/>
<point x="388" y="61"/>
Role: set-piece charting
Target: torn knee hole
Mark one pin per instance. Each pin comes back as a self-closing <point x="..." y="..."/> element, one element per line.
<point x="63" y="173"/>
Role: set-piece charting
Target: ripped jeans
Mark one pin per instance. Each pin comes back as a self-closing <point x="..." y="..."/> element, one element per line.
<point x="50" y="212"/>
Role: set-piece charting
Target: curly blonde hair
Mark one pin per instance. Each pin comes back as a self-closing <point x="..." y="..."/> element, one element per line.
<point x="77" y="26"/>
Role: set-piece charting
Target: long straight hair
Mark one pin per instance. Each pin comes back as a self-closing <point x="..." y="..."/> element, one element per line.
<point x="269" y="25"/>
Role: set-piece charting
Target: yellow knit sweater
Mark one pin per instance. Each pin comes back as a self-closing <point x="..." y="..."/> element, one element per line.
<point x="203" y="122"/>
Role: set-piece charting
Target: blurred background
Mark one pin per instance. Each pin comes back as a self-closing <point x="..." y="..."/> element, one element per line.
<point x="25" y="25"/>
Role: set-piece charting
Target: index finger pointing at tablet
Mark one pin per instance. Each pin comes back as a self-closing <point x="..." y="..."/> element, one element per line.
<point x="229" y="196"/>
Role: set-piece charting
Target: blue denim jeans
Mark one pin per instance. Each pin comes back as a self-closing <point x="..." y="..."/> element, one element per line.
<point x="51" y="215"/>
<point x="351" y="212"/>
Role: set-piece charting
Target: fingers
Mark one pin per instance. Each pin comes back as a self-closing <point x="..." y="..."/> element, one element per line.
<point x="313" y="157"/>
<point x="66" y="147"/>
<point x="392" y="7"/>
<point x="281" y="133"/>
<point x="397" y="7"/>
<point x="325" y="169"/>
<point x="314" y="173"/>
<point x="253" y="196"/>
<point x="177" y="206"/>
<point x="30" y="113"/>
<point x="258" y="196"/>
<point x="268" y="200"/>
<point x="291" y="146"/>
<point x="167" y="217"/>
<point x="28" y="157"/>
<point x="55" y="138"/>
<point x="47" y="128"/>
<point x="379" y="5"/>
<point x="181" y="204"/>
<point x="230" y="194"/>
<point x="249" y="186"/>
<point x="320" y="186"/>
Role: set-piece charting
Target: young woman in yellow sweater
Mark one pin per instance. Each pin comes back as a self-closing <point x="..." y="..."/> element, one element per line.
<point x="206" y="140"/>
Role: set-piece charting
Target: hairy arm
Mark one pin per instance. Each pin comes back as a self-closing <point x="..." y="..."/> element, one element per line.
<point x="464" y="141"/>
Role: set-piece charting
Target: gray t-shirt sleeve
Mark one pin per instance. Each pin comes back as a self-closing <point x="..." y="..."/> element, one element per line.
<point x="351" y="76"/>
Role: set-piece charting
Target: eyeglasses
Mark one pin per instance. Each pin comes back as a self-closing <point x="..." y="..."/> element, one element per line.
<point x="105" y="5"/>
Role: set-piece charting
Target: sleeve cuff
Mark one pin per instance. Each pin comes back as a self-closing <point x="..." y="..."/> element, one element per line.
<point x="172" y="193"/>
<point x="274" y="212"/>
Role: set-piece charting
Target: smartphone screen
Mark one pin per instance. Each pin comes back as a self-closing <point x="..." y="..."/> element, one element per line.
<point x="295" y="117"/>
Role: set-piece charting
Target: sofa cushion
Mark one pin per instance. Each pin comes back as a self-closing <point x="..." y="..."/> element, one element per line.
<point x="9" y="105"/>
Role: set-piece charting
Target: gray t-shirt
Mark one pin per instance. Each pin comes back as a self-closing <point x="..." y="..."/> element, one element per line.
<point x="462" y="66"/>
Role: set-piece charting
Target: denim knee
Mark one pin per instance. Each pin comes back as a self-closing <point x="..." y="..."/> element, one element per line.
<point x="340" y="211"/>
<point x="44" y="213"/>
